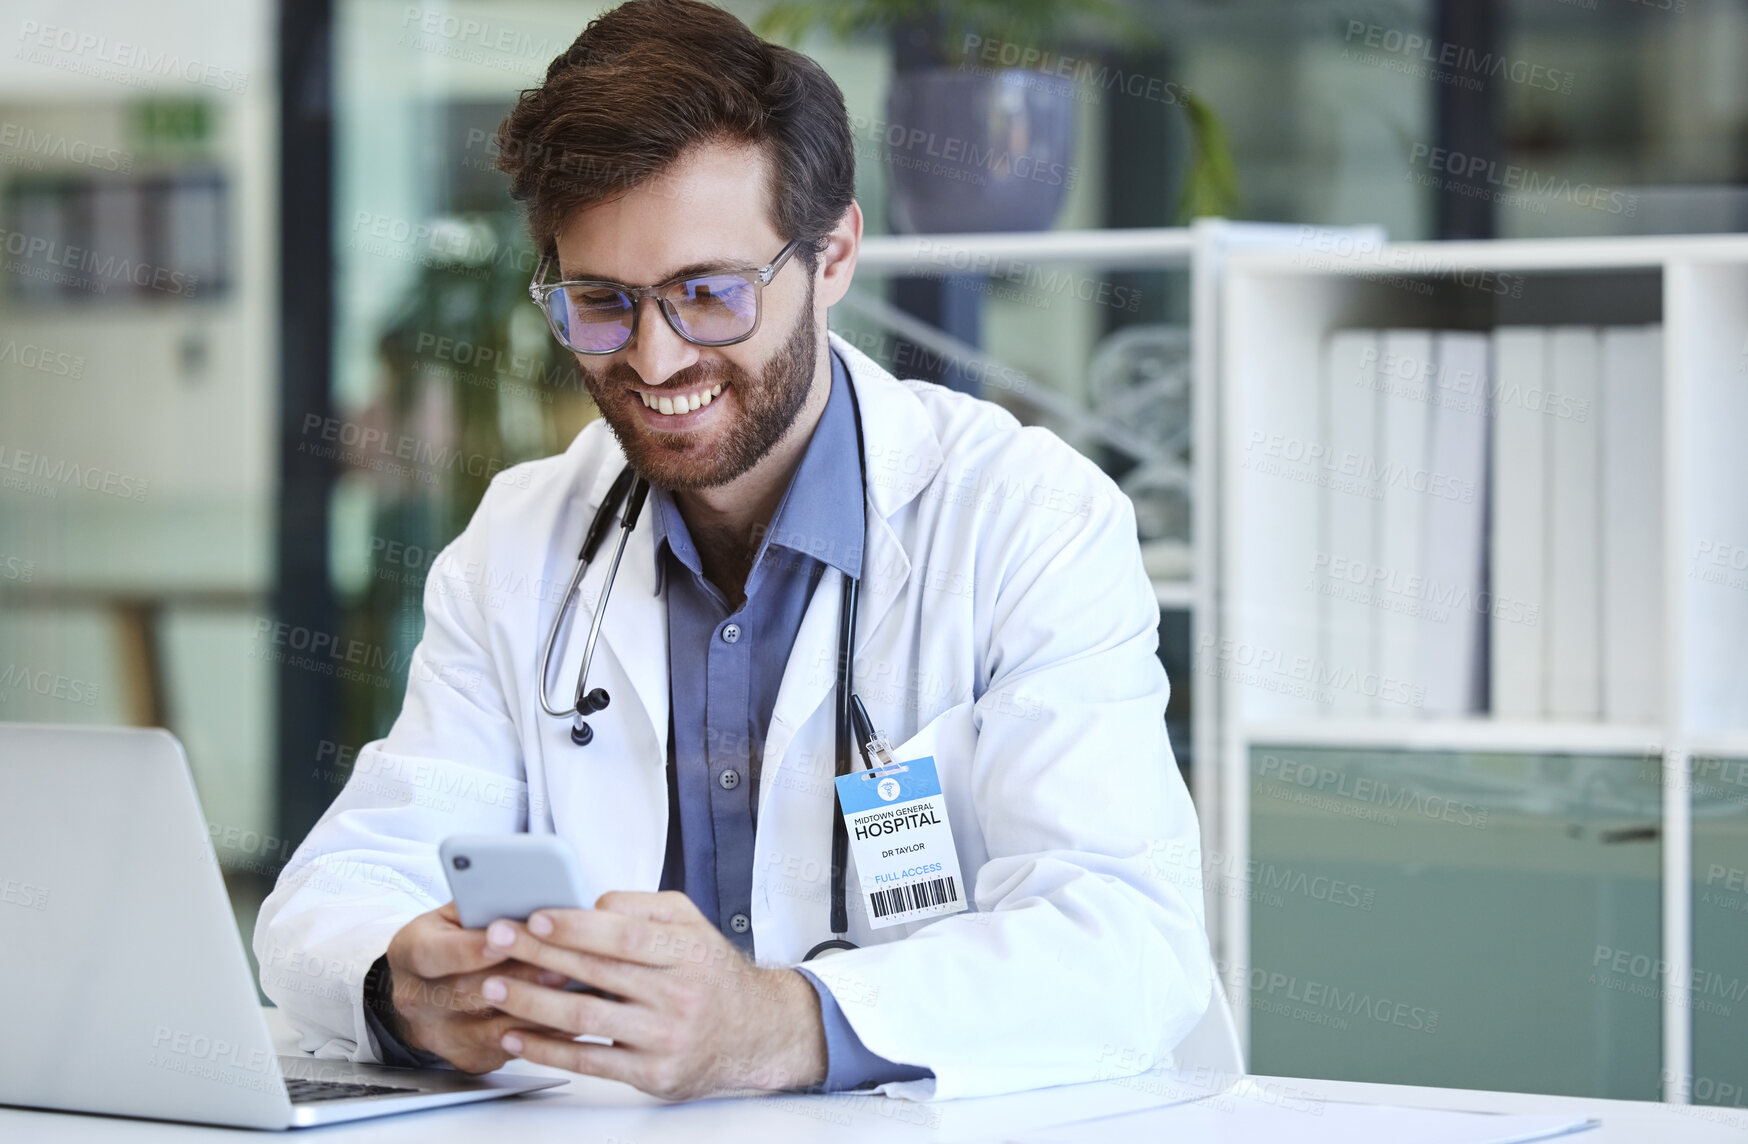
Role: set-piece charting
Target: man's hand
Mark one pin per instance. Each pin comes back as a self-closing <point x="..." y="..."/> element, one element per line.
<point x="689" y="1016"/>
<point x="437" y="968"/>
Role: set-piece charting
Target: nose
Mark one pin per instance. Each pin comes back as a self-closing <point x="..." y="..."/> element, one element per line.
<point x="655" y="351"/>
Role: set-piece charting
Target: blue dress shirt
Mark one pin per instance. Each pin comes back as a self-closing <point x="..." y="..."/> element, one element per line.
<point x="725" y="665"/>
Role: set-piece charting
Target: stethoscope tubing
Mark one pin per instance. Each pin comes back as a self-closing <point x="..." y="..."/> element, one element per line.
<point x="564" y="609"/>
<point x="626" y="482"/>
<point x="840" y="919"/>
<point x="600" y="613"/>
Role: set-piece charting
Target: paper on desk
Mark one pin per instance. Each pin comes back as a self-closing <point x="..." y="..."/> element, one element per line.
<point x="872" y="1118"/>
<point x="1264" y="1111"/>
<point x="999" y="1117"/>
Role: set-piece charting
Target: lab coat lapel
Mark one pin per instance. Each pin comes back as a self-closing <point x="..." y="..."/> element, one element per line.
<point x="901" y="454"/>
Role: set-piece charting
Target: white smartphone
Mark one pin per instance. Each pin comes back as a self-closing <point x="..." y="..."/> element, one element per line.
<point x="511" y="875"/>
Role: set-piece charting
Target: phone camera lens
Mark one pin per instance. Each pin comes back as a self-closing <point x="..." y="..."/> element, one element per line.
<point x="462" y="862"/>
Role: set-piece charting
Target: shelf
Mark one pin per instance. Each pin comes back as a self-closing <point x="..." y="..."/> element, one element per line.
<point x="1148" y="248"/>
<point x="1728" y="745"/>
<point x="1319" y="255"/>
<point x="1459" y="735"/>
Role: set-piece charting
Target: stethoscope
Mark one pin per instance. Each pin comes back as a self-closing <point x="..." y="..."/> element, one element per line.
<point x="630" y="491"/>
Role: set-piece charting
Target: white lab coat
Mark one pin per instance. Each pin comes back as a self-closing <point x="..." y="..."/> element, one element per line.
<point x="1006" y="627"/>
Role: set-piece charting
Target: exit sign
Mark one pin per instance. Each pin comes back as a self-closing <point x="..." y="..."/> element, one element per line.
<point x="173" y="124"/>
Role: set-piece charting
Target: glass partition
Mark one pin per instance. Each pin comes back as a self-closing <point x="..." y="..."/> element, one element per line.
<point x="1470" y="920"/>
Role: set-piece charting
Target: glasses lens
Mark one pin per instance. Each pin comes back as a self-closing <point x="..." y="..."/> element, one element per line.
<point x="715" y="307"/>
<point x="593" y="319"/>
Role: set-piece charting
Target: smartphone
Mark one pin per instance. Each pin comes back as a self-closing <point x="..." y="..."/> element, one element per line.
<point x="511" y="875"/>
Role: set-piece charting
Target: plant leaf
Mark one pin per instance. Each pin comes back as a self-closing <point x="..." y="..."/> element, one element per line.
<point x="1211" y="183"/>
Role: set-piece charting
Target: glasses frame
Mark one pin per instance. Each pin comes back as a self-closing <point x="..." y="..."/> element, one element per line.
<point x="758" y="277"/>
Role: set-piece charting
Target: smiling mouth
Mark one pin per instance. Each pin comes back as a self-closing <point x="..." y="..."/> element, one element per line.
<point x="674" y="405"/>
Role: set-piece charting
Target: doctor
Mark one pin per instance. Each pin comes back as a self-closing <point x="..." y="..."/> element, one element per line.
<point x="1004" y="627"/>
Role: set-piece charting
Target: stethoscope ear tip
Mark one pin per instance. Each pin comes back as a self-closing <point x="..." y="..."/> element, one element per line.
<point x="581" y="733"/>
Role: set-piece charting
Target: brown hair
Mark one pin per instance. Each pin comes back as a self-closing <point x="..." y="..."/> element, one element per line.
<point x="652" y="78"/>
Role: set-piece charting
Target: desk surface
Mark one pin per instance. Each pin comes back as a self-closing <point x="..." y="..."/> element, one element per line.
<point x="592" y="1111"/>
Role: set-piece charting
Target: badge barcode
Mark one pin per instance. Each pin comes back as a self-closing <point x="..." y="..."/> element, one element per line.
<point x="917" y="896"/>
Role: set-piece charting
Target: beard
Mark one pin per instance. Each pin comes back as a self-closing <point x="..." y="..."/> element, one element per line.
<point x="767" y="406"/>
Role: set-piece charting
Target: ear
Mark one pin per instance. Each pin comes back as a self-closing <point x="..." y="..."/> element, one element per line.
<point x="837" y="262"/>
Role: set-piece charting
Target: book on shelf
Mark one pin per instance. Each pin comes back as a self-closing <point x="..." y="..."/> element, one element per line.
<point x="1406" y="361"/>
<point x="1632" y="524"/>
<point x="1348" y="523"/>
<point x="1573" y="585"/>
<point x="1453" y="624"/>
<point x="1518" y="511"/>
<point x="1500" y="548"/>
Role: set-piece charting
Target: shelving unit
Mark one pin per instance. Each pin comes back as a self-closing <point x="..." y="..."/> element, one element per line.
<point x="1201" y="251"/>
<point x="1277" y="308"/>
<point x="1262" y="301"/>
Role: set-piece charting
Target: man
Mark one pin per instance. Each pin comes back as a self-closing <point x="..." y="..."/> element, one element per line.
<point x="1005" y="628"/>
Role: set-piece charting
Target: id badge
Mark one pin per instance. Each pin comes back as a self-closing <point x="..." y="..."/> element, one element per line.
<point x="905" y="862"/>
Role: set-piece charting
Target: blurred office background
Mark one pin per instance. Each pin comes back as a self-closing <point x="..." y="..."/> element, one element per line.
<point x="264" y="338"/>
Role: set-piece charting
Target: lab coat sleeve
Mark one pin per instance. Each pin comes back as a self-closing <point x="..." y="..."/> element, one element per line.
<point x="1087" y="954"/>
<point x="451" y="764"/>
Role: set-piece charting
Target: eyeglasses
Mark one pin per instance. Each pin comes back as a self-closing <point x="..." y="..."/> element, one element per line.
<point x="715" y="309"/>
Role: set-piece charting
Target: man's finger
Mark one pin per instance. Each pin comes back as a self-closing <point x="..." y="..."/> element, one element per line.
<point x="456" y="995"/>
<point x="477" y="1046"/>
<point x="624" y="937"/>
<point x="467" y="989"/>
<point x="664" y="906"/>
<point x="634" y="981"/>
<point x="438" y="947"/>
<point x="607" y="1061"/>
<point x="574" y="1013"/>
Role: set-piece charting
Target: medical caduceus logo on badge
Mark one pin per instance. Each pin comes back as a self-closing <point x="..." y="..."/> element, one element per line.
<point x="887" y="789"/>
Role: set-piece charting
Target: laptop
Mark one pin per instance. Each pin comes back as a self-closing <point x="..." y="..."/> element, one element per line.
<point x="129" y="991"/>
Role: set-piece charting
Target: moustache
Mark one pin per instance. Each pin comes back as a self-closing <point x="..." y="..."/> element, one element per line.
<point x="622" y="378"/>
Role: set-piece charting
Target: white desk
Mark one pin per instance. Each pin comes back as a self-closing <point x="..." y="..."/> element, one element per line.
<point x="590" y="1111"/>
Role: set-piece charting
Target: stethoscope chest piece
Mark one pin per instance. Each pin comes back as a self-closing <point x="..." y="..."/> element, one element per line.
<point x="596" y="700"/>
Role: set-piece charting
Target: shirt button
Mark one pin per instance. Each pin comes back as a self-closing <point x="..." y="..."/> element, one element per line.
<point x="731" y="633"/>
<point x="740" y="923"/>
<point x="729" y="779"/>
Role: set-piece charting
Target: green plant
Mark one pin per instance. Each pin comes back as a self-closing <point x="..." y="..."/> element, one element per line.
<point x="1211" y="182"/>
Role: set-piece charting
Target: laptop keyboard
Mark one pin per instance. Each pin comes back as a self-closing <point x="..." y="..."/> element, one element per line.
<point x="310" y="1091"/>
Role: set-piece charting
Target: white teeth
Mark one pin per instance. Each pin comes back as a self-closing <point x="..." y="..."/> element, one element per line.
<point x="685" y="403"/>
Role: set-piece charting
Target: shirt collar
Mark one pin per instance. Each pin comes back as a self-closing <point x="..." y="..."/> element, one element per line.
<point x="821" y="513"/>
